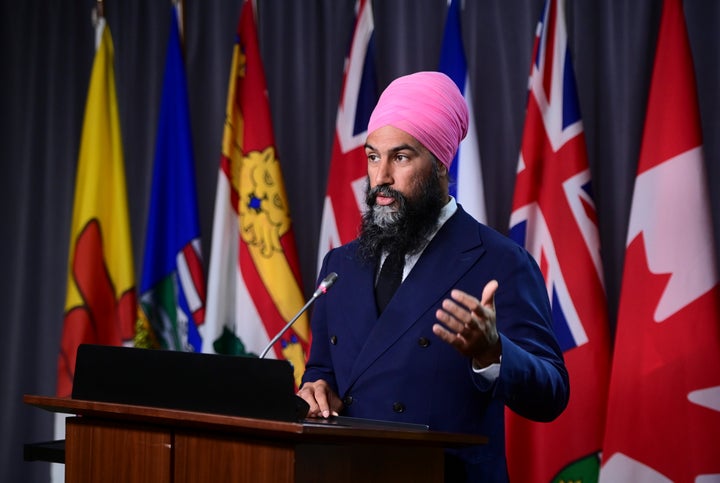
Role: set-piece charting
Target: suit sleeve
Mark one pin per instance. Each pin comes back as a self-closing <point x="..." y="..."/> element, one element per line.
<point x="319" y="365"/>
<point x="533" y="379"/>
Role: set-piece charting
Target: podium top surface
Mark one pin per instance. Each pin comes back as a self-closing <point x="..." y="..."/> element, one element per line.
<point x="311" y="431"/>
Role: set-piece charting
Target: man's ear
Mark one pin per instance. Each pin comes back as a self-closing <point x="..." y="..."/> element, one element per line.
<point x="442" y="170"/>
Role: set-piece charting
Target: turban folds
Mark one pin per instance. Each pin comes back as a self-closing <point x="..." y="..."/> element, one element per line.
<point x="429" y="107"/>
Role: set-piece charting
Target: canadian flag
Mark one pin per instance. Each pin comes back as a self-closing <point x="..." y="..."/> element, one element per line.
<point x="663" y="417"/>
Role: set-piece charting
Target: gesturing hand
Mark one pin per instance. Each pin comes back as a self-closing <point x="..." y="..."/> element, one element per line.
<point x="468" y="324"/>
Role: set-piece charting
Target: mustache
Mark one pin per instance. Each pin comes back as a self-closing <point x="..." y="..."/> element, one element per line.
<point x="382" y="190"/>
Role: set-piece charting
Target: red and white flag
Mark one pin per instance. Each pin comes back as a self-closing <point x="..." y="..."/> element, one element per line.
<point x="554" y="218"/>
<point x="663" y="419"/>
<point x="345" y="197"/>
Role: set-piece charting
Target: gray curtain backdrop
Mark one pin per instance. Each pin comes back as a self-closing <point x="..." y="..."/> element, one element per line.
<point x="47" y="48"/>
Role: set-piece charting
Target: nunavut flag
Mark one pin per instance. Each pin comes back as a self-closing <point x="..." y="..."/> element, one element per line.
<point x="345" y="197"/>
<point x="101" y="302"/>
<point x="172" y="287"/>
<point x="554" y="217"/>
<point x="663" y="418"/>
<point x="253" y="279"/>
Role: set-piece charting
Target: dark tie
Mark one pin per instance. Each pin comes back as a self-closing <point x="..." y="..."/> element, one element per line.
<point x="389" y="279"/>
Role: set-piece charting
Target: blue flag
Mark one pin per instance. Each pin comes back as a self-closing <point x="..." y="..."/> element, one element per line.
<point x="465" y="169"/>
<point x="172" y="288"/>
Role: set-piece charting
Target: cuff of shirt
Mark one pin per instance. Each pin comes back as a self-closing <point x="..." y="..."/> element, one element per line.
<point x="490" y="373"/>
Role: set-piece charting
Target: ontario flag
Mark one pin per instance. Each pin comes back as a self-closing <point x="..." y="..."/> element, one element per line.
<point x="663" y="417"/>
<point x="101" y="300"/>
<point x="466" y="169"/>
<point x="554" y="217"/>
<point x="253" y="278"/>
<point x="345" y="197"/>
<point x="172" y="287"/>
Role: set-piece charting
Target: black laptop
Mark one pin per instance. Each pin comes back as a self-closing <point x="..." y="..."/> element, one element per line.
<point x="220" y="384"/>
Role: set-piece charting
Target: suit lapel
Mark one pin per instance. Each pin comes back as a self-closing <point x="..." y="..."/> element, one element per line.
<point x="451" y="253"/>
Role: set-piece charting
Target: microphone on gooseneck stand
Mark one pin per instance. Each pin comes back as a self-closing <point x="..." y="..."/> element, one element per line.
<point x="322" y="289"/>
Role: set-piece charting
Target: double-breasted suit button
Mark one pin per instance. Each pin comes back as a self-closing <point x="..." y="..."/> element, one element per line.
<point x="333" y="339"/>
<point x="398" y="407"/>
<point x="347" y="400"/>
<point x="424" y="342"/>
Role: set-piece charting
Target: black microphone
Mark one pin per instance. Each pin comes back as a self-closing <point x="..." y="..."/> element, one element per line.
<point x="321" y="290"/>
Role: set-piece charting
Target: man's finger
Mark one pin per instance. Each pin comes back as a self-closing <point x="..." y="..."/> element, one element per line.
<point x="321" y="396"/>
<point x="452" y="315"/>
<point x="448" y="336"/>
<point x="488" y="295"/>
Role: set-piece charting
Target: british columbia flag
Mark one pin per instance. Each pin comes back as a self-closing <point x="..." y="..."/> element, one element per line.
<point x="554" y="218"/>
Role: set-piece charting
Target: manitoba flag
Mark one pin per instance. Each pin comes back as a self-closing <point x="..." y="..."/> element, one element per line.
<point x="253" y="280"/>
<point x="663" y="418"/>
<point x="345" y="197"/>
<point x="554" y="218"/>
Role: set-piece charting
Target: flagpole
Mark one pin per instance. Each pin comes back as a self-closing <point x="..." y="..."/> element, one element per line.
<point x="181" y="20"/>
<point x="98" y="18"/>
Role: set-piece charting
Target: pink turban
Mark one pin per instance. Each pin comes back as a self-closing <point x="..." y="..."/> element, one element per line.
<point x="429" y="107"/>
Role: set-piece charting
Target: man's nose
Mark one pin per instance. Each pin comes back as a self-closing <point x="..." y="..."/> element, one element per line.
<point x="383" y="173"/>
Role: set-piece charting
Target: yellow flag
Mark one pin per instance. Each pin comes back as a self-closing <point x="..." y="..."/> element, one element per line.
<point x="101" y="301"/>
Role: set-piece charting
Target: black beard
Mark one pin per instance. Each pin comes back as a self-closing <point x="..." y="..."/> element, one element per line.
<point x="405" y="230"/>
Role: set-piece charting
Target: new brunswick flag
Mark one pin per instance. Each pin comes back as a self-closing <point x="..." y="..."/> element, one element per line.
<point x="253" y="279"/>
<point x="101" y="302"/>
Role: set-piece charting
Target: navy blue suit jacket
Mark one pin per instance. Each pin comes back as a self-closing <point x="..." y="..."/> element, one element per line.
<point x="393" y="367"/>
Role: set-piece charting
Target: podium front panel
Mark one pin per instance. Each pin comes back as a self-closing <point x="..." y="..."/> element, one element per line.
<point x="375" y="463"/>
<point x="110" y="442"/>
<point x="116" y="452"/>
<point x="206" y="457"/>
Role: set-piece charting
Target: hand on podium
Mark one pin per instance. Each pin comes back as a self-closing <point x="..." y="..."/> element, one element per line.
<point x="323" y="401"/>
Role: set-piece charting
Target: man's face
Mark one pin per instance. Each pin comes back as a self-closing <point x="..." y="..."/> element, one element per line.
<point x="397" y="162"/>
<point x="407" y="188"/>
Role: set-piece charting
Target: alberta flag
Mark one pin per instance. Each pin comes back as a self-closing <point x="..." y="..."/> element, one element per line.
<point x="554" y="218"/>
<point x="466" y="169"/>
<point x="254" y="278"/>
<point x="172" y="288"/>
<point x="663" y="418"/>
<point x="345" y="197"/>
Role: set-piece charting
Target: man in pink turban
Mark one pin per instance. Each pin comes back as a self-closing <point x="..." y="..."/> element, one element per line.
<point x="429" y="107"/>
<point x="435" y="318"/>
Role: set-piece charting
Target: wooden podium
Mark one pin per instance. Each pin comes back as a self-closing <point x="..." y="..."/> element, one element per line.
<point x="109" y="442"/>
